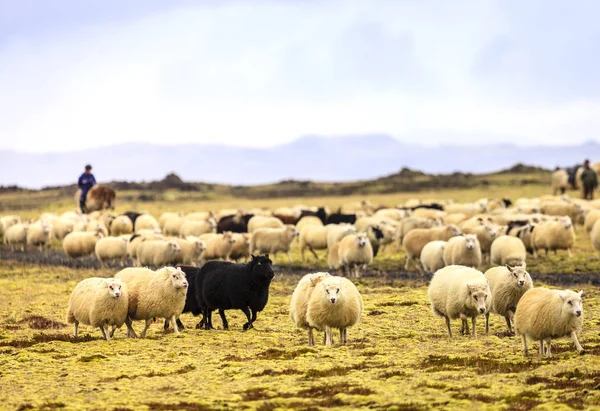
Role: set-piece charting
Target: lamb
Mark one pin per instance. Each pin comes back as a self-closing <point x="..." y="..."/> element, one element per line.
<point x="136" y="239"/>
<point x="590" y="219"/>
<point x="99" y="302"/>
<point x="560" y="181"/>
<point x="336" y="232"/>
<point x="463" y="250"/>
<point x="595" y="236"/>
<point x="153" y="294"/>
<point x="334" y="303"/>
<point x="80" y="244"/>
<point x="241" y="247"/>
<point x="313" y="237"/>
<point x="173" y="226"/>
<point x="508" y="284"/>
<point x="218" y="246"/>
<point x="146" y="222"/>
<point x="111" y="248"/>
<point x="38" y="234"/>
<point x="229" y="286"/>
<point x="543" y="314"/>
<point x="258" y="221"/>
<point x="299" y="302"/>
<point x="432" y="256"/>
<point x="459" y="292"/>
<point x="121" y="225"/>
<point x="355" y="251"/>
<point x="273" y="240"/>
<point x="16" y="235"/>
<point x="553" y="235"/>
<point x="416" y="239"/>
<point x="197" y="228"/>
<point x="157" y="253"/>
<point x="508" y="250"/>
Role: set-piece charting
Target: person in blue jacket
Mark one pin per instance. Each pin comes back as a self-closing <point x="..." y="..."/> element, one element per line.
<point x="86" y="181"/>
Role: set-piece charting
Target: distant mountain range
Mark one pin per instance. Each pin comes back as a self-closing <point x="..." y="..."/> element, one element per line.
<point x="307" y="158"/>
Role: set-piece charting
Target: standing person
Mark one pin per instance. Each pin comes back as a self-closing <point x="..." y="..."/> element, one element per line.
<point x="589" y="179"/>
<point x="86" y="181"/>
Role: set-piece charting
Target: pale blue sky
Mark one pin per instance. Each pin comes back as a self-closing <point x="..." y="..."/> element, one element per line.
<point x="79" y="74"/>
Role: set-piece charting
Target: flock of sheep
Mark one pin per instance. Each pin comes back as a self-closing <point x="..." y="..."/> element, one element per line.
<point x="448" y="239"/>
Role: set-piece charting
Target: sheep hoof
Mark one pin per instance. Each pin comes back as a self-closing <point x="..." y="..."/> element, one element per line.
<point x="248" y="326"/>
<point x="582" y="352"/>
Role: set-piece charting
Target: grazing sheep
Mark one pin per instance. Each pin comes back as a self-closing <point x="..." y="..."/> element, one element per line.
<point x="121" y="225"/>
<point x="112" y="248"/>
<point x="273" y="240"/>
<point x="355" y="251"/>
<point x="334" y="303"/>
<point x="416" y="239"/>
<point x="197" y="228"/>
<point x="336" y="232"/>
<point x="99" y="302"/>
<point x="154" y="294"/>
<point x="508" y="250"/>
<point x="38" y="235"/>
<point x="543" y="314"/>
<point x="16" y="235"/>
<point x="263" y="222"/>
<point x="218" y="246"/>
<point x="172" y="226"/>
<point x="229" y="286"/>
<point x="595" y="236"/>
<point x="241" y="247"/>
<point x="432" y="256"/>
<point x="157" y="253"/>
<point x="80" y="244"/>
<point x="560" y="181"/>
<point x="299" y="302"/>
<point x="590" y="219"/>
<point x="463" y="250"/>
<point x="459" y="292"/>
<point x="553" y="235"/>
<point x="508" y="284"/>
<point x="146" y="222"/>
<point x="313" y="237"/>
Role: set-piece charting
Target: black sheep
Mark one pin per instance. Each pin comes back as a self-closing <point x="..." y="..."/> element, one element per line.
<point x="191" y="303"/>
<point x="321" y="213"/>
<point x="229" y="286"/>
<point x="133" y="215"/>
<point x="375" y="235"/>
<point x="235" y="223"/>
<point x="337" y="218"/>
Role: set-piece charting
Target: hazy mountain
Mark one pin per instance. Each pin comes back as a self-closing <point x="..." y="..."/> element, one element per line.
<point x="307" y="158"/>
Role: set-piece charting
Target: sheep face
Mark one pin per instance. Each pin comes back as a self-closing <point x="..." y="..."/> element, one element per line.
<point x="200" y="246"/>
<point x="519" y="274"/>
<point x="454" y="230"/>
<point x="361" y="240"/>
<point x="478" y="298"/>
<point x="178" y="279"/>
<point x="572" y="303"/>
<point x="174" y="247"/>
<point x="113" y="287"/>
<point x="228" y="237"/>
<point x="566" y="222"/>
<point x="470" y="241"/>
<point x="491" y="231"/>
<point x="262" y="267"/>
<point x="331" y="289"/>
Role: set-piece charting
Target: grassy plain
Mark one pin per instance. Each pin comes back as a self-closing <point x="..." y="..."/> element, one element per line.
<point x="398" y="358"/>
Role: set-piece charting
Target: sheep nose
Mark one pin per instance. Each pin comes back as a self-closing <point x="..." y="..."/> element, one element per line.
<point x="482" y="310"/>
<point x="332" y="300"/>
<point x="117" y="294"/>
<point x="185" y="284"/>
<point x="578" y="312"/>
<point x="521" y="283"/>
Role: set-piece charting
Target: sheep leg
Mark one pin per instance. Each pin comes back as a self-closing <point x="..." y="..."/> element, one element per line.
<point x="474" y="321"/>
<point x="548" y="348"/>
<point x="328" y="336"/>
<point x="248" y="325"/>
<point x="487" y="323"/>
<point x="254" y="312"/>
<point x="76" y="329"/>
<point x="343" y="336"/>
<point x="180" y="324"/>
<point x="525" y="351"/>
<point x="167" y="323"/>
<point x="224" y="319"/>
<point x="541" y="347"/>
<point x="576" y="341"/>
<point x="448" y="326"/>
<point x="148" y="322"/>
<point x="311" y="337"/>
<point x="569" y="252"/>
<point x="208" y="325"/>
<point x="112" y="331"/>
<point x="106" y="337"/>
<point x="130" y="332"/>
<point x="174" y="324"/>
<point x="289" y="257"/>
<point x="313" y="252"/>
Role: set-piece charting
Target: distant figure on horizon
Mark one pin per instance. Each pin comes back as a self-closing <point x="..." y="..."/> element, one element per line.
<point x="589" y="179"/>
<point x="85" y="183"/>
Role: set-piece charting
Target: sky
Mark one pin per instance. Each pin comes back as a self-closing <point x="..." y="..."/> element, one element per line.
<point x="76" y="75"/>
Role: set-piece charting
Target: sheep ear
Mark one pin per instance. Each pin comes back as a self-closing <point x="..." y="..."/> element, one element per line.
<point x="266" y="255"/>
<point x="470" y="287"/>
<point x="563" y="296"/>
<point x="510" y="268"/>
<point x="253" y="256"/>
<point x="580" y="293"/>
<point x="178" y="268"/>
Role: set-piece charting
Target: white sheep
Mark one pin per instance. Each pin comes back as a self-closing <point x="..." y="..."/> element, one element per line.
<point x="411" y="223"/>
<point x="61" y="227"/>
<point x="313" y="237"/>
<point x="99" y="302"/>
<point x="595" y="236"/>
<point x="136" y="239"/>
<point x="459" y="292"/>
<point x="486" y="234"/>
<point x="432" y="256"/>
<point x="273" y="240"/>
<point x="355" y="251"/>
<point x="416" y="239"/>
<point x="508" y="250"/>
<point x="200" y="216"/>
<point x="309" y="220"/>
<point x="543" y="314"/>
<point x="218" y="246"/>
<point x="197" y="227"/>
<point x="333" y="257"/>
<point x="157" y="253"/>
<point x="335" y="232"/>
<point x="463" y="250"/>
<point x="299" y="302"/>
<point x="553" y="235"/>
<point x="9" y="220"/>
<point x="121" y="225"/>
<point x="561" y="208"/>
<point x="38" y="234"/>
<point x="164" y="217"/>
<point x="191" y="250"/>
<point x="173" y="226"/>
<point x="80" y="244"/>
<point x="560" y="181"/>
<point x="146" y="222"/>
<point x="259" y="221"/>
<point x="16" y="235"/>
<point x="590" y="219"/>
<point x="508" y="284"/>
<point x="154" y="294"/>
<point x="112" y="248"/>
<point x="241" y="246"/>
<point x="334" y="303"/>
